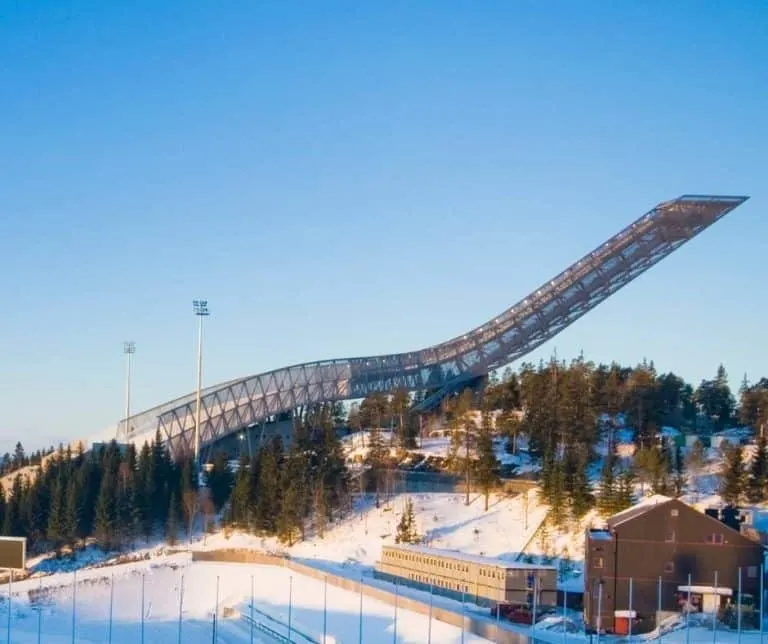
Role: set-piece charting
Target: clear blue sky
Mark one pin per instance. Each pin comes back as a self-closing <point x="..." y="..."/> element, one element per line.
<point x="347" y="178"/>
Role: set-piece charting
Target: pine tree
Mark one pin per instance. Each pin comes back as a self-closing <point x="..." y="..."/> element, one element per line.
<point x="220" y="480"/>
<point x="625" y="496"/>
<point x="12" y="523"/>
<point x="241" y="500"/>
<point x="679" y="472"/>
<point x="290" y="519"/>
<point x="607" y="501"/>
<point x="758" y="471"/>
<point x="72" y="512"/>
<point x="321" y="510"/>
<point x="406" y="527"/>
<point x="268" y="499"/>
<point x="487" y="466"/>
<point x="376" y="460"/>
<point x="106" y="511"/>
<point x="733" y="476"/>
<point x="171" y="526"/>
<point x="557" y="497"/>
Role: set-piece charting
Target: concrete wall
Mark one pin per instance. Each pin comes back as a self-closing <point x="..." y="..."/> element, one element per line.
<point x="472" y="624"/>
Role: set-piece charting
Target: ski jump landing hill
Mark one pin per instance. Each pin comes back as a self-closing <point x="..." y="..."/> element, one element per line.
<point x="246" y="403"/>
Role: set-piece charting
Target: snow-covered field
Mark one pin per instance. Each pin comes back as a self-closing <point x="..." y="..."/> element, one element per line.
<point x="175" y="583"/>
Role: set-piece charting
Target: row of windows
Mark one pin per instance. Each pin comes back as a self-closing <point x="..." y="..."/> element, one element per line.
<point x="436" y="581"/>
<point x="445" y="564"/>
<point x="429" y="561"/>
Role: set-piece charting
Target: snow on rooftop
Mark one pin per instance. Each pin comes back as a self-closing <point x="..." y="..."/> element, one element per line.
<point x="656" y="499"/>
<point x="600" y="535"/>
<point x="477" y="559"/>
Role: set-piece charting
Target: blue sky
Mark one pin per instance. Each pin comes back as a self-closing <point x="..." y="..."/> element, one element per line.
<point x="345" y="178"/>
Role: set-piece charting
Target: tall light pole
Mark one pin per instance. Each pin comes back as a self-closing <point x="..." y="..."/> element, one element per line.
<point x="200" y="308"/>
<point x="129" y="348"/>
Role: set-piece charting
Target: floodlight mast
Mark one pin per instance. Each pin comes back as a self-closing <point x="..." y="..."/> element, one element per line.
<point x="200" y="308"/>
<point x="129" y="348"/>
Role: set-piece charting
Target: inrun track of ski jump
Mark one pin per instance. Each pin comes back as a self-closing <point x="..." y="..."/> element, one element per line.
<point x="245" y="403"/>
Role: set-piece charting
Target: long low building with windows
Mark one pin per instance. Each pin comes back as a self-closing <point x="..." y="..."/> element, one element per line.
<point x="482" y="580"/>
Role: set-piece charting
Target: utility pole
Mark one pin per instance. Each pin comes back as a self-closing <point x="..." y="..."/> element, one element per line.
<point x="200" y="308"/>
<point x="129" y="348"/>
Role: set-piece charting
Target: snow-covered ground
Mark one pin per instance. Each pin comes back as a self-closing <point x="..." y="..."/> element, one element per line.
<point x="443" y="519"/>
<point x="356" y="449"/>
<point x="175" y="583"/>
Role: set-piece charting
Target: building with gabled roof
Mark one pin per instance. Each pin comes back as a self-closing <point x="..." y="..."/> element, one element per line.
<point x="652" y="551"/>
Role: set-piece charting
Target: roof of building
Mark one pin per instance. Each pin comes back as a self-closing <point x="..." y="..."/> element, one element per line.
<point x="646" y="505"/>
<point x="477" y="559"/>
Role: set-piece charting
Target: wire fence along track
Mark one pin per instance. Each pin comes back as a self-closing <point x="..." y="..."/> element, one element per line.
<point x="299" y="636"/>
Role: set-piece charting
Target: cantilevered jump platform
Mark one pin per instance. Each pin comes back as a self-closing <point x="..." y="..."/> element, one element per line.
<point x="243" y="403"/>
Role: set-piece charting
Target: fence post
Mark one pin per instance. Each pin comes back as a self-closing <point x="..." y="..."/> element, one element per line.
<point x="714" y="614"/>
<point x="251" y="609"/>
<point x="74" y="606"/>
<point x="142" y="608"/>
<point x="565" y="613"/>
<point x="290" y="605"/>
<point x="429" y="627"/>
<point x="599" y="622"/>
<point x="360" y="630"/>
<point x="39" y="611"/>
<point x="688" y="614"/>
<point x="762" y="599"/>
<point x="630" y="607"/>
<point x="738" y="611"/>
<point x="498" y="617"/>
<point x="216" y="614"/>
<point x="111" y="604"/>
<point x="394" y="632"/>
<point x="535" y="600"/>
<point x="658" y="609"/>
<point x="10" y="590"/>
<point x="181" y="603"/>
<point x="325" y="609"/>
<point x="463" y="614"/>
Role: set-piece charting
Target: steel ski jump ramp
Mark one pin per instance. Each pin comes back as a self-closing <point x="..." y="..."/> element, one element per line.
<point x="238" y="404"/>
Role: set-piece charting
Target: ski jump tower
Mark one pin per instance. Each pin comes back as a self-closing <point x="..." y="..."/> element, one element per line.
<point x="245" y="403"/>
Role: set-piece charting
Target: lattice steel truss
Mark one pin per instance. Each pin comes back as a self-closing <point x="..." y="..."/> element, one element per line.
<point x="239" y="404"/>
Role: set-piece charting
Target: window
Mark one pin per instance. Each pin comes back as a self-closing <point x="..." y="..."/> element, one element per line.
<point x="669" y="567"/>
<point x="674" y="512"/>
<point x="715" y="538"/>
<point x="751" y="572"/>
<point x="598" y="562"/>
<point x="670" y="538"/>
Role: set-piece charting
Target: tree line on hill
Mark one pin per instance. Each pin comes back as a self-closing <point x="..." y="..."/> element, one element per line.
<point x="10" y="463"/>
<point x="115" y="495"/>
<point x="118" y="495"/>
<point x="285" y="492"/>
